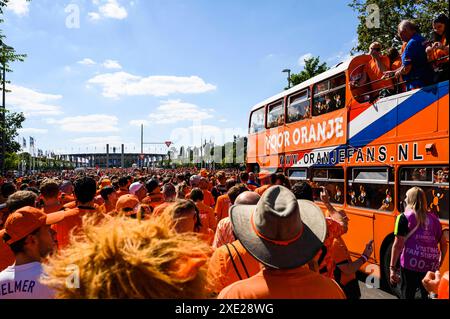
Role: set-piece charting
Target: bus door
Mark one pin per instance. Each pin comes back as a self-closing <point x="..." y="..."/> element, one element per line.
<point x="369" y="190"/>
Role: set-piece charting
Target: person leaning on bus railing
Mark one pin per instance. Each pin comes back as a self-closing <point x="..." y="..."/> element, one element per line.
<point x="415" y="69"/>
<point x="373" y="72"/>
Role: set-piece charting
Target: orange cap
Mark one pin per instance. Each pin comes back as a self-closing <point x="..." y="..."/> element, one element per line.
<point x="127" y="201"/>
<point x="203" y="173"/>
<point x="105" y="182"/>
<point x="26" y="220"/>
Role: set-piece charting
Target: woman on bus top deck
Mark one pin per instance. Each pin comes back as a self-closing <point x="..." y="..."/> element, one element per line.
<point x="417" y="235"/>
<point x="438" y="48"/>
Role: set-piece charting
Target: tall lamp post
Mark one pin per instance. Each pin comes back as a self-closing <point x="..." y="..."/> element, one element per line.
<point x="3" y="110"/>
<point x="288" y="71"/>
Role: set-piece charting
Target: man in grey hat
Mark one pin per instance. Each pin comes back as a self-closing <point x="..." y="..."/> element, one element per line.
<point x="284" y="234"/>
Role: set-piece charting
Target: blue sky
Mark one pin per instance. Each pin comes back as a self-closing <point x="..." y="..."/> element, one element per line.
<point x="187" y="69"/>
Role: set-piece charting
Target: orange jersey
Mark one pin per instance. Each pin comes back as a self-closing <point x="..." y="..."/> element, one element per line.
<point x="207" y="216"/>
<point x="153" y="200"/>
<point x="65" y="199"/>
<point x="48" y="209"/>
<point x="121" y="192"/>
<point x="251" y="187"/>
<point x="221" y="268"/>
<point x="298" y="283"/>
<point x="375" y="73"/>
<point x="208" y="198"/>
<point x="340" y="255"/>
<point x="222" y="206"/>
<point x="72" y="222"/>
<point x="260" y="190"/>
<point x="160" y="208"/>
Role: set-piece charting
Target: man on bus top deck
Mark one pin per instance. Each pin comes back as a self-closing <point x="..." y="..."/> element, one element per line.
<point x="415" y="69"/>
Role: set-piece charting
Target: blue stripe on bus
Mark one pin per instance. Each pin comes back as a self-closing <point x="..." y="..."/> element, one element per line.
<point x="401" y="113"/>
<point x="404" y="111"/>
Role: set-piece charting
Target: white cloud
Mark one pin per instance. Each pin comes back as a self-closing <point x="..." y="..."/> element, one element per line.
<point x="87" y="123"/>
<point x="173" y="111"/>
<point x="32" y="103"/>
<point x="30" y="130"/>
<point x="108" y="9"/>
<point x="301" y="60"/>
<point x="122" y="83"/>
<point x="192" y="135"/>
<point x="339" y="57"/>
<point x="99" y="144"/>
<point x="87" y="61"/>
<point x="19" y="7"/>
<point x="112" y="64"/>
<point x="139" y="123"/>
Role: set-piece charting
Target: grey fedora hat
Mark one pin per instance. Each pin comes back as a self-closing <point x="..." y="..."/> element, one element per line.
<point x="280" y="231"/>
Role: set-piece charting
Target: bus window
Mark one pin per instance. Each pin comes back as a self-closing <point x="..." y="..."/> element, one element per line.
<point x="275" y="115"/>
<point x="329" y="95"/>
<point x="433" y="181"/>
<point x="333" y="180"/>
<point x="297" y="175"/>
<point x="371" y="188"/>
<point x="257" y="121"/>
<point x="299" y="107"/>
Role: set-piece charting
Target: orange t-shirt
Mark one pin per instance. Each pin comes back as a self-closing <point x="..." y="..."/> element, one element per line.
<point x="260" y="190"/>
<point x="208" y="198"/>
<point x="222" y="206"/>
<point x="65" y="199"/>
<point x="298" y="283"/>
<point x="340" y="255"/>
<point x="221" y="272"/>
<point x="72" y="222"/>
<point x="48" y="209"/>
<point x="160" y="208"/>
<point x="251" y="187"/>
<point x="153" y="200"/>
<point x="207" y="216"/>
<point x="121" y="192"/>
<point x="374" y="73"/>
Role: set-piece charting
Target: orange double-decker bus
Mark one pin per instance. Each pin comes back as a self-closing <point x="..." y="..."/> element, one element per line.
<point x="366" y="151"/>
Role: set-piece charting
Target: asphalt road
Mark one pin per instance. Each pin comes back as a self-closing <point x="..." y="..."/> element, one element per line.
<point x="373" y="293"/>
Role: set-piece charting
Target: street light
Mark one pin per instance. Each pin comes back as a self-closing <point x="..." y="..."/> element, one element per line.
<point x="3" y="110"/>
<point x="288" y="71"/>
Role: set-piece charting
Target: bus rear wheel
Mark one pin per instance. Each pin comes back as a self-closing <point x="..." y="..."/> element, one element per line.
<point x="387" y="286"/>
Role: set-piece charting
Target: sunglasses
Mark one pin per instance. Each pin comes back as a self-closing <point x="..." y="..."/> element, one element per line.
<point x="376" y="49"/>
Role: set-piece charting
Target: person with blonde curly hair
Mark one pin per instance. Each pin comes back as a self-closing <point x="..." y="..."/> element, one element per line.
<point x="127" y="259"/>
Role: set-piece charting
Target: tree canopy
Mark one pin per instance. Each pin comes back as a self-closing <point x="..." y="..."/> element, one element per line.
<point x="313" y="67"/>
<point x="391" y="12"/>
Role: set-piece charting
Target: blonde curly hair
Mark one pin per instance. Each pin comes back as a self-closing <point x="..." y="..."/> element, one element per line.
<point x="124" y="258"/>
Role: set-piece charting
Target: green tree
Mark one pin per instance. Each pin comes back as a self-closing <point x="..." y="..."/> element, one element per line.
<point x="313" y="67"/>
<point x="13" y="124"/>
<point x="391" y="12"/>
<point x="12" y="121"/>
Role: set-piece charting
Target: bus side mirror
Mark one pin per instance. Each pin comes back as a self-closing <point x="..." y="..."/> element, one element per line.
<point x="430" y="148"/>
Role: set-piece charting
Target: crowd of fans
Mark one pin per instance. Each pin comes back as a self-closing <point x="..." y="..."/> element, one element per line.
<point x="185" y="234"/>
<point x="419" y="63"/>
